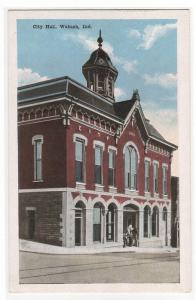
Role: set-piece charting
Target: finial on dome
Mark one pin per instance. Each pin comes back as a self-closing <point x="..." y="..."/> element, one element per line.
<point x="100" y="40"/>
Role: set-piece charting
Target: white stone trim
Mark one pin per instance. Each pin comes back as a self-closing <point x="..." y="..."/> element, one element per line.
<point x="156" y="162"/>
<point x="80" y="185"/>
<point x="112" y="148"/>
<point x="37" y="137"/>
<point x="164" y="165"/>
<point x="131" y="201"/>
<point x="81" y="137"/>
<point x="112" y="189"/>
<point x="30" y="208"/>
<point x="129" y="143"/>
<point x="131" y="192"/>
<point x="147" y="159"/>
<point x="98" y="143"/>
<point x="147" y="194"/>
<point x="99" y="187"/>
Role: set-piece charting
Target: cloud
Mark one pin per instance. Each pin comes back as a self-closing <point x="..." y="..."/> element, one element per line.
<point x="90" y="44"/>
<point x="166" y="80"/>
<point x="134" y="33"/>
<point x="27" y="76"/>
<point x="151" y="34"/>
<point x="118" y="92"/>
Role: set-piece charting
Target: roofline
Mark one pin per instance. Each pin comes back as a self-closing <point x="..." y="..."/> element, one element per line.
<point x="58" y="79"/>
<point x="66" y="97"/>
<point x="164" y="142"/>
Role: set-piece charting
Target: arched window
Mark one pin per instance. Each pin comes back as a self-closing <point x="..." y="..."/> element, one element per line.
<point x="111" y="222"/>
<point x="98" y="211"/>
<point x="80" y="228"/>
<point x="147" y="212"/>
<point x="155" y="222"/>
<point x="131" y="161"/>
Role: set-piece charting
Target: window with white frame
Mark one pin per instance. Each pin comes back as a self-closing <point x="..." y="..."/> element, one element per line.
<point x="155" y="176"/>
<point x="147" y="176"/>
<point x="37" y="142"/>
<point x="112" y="155"/>
<point x="98" y="164"/>
<point x="79" y="159"/>
<point x="164" y="180"/>
<point x="131" y="161"/>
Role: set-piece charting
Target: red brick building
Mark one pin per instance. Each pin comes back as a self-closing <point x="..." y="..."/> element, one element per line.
<point x="90" y="166"/>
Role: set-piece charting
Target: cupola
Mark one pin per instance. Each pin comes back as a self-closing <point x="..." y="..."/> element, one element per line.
<point x="100" y="73"/>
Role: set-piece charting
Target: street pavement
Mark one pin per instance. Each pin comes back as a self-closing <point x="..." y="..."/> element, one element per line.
<point x="99" y="268"/>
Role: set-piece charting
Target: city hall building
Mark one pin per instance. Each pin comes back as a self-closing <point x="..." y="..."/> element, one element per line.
<point x="90" y="166"/>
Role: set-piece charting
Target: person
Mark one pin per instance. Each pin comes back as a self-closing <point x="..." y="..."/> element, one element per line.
<point x="125" y="239"/>
<point x="130" y="235"/>
<point x="134" y="235"/>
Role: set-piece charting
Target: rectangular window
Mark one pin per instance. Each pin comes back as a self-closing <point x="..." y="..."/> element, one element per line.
<point x="155" y="178"/>
<point x="164" y="180"/>
<point x="112" y="167"/>
<point x="147" y="176"/>
<point x="38" y="160"/>
<point x="31" y="224"/>
<point x="98" y="164"/>
<point x="79" y="159"/>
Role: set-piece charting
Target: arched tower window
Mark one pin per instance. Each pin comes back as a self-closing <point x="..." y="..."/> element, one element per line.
<point x="131" y="165"/>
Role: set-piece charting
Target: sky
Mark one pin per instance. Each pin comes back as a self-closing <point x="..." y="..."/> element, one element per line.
<point x="143" y="51"/>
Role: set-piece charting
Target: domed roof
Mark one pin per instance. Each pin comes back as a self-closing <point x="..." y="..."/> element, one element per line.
<point x="100" y="58"/>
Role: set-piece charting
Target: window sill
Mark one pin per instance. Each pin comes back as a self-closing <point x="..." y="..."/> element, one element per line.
<point x="165" y="196"/>
<point x="99" y="187"/>
<point x="156" y="195"/>
<point x="38" y="181"/>
<point x="147" y="194"/>
<point x="131" y="192"/>
<point x="112" y="189"/>
<point x="80" y="185"/>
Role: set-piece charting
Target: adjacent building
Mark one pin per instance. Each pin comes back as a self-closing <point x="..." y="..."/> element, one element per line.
<point x="90" y="166"/>
<point x="175" y="216"/>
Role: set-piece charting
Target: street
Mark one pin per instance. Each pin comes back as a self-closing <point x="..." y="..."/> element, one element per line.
<point x="99" y="268"/>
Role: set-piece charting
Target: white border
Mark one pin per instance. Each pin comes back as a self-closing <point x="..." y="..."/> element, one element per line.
<point x="185" y="126"/>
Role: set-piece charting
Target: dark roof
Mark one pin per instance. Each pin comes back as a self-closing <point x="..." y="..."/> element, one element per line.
<point x="91" y="99"/>
<point x="122" y="108"/>
<point x="94" y="60"/>
<point x="153" y="131"/>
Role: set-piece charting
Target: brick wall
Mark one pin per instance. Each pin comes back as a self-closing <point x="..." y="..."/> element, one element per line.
<point x="47" y="216"/>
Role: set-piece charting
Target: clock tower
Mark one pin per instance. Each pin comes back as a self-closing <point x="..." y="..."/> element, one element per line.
<point x="100" y="73"/>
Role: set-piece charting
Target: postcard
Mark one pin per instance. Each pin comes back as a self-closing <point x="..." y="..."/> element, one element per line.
<point x="99" y="140"/>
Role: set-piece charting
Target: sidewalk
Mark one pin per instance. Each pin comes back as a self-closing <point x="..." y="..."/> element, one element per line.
<point x="30" y="246"/>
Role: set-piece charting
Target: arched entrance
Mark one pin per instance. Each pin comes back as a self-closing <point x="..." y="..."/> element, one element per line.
<point x="111" y="223"/>
<point x="80" y="224"/>
<point x="130" y="217"/>
<point x="98" y="222"/>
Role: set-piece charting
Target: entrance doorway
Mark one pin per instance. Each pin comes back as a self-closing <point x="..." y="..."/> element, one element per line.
<point x="80" y="224"/>
<point x="98" y="222"/>
<point x="130" y="217"/>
